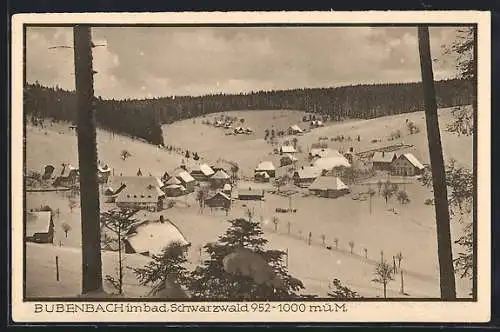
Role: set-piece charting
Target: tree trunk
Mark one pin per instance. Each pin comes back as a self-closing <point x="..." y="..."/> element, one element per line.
<point x="120" y="268"/>
<point x="385" y="290"/>
<point x="446" y="270"/>
<point x="87" y="162"/>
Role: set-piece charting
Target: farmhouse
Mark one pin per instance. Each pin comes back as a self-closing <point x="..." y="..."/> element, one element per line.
<point x="140" y="192"/>
<point x="68" y="176"/>
<point x="407" y="165"/>
<point x="219" y="179"/>
<point x="305" y="176"/>
<point x="250" y="195"/>
<point x="262" y="177"/>
<point x="219" y="200"/>
<point x="150" y="237"/>
<point x="287" y="149"/>
<point x="294" y="130"/>
<point x="202" y="173"/>
<point x="328" y="186"/>
<point x="266" y="166"/>
<point x="187" y="181"/>
<point x="174" y="190"/>
<point x="287" y="159"/>
<point x="39" y="227"/>
<point x="329" y="163"/>
<point x="382" y="161"/>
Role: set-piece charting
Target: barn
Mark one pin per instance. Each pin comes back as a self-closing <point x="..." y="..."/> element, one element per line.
<point x="187" y="181"/>
<point x="305" y="176"/>
<point x="382" y="161"/>
<point x="140" y="192"/>
<point x="329" y="187"/>
<point x="150" y="237"/>
<point x="249" y="194"/>
<point x="219" y="200"/>
<point x="407" y="165"/>
<point x="266" y="166"/>
<point x="287" y="149"/>
<point x="39" y="227"/>
<point x="219" y="179"/>
<point x="202" y="173"/>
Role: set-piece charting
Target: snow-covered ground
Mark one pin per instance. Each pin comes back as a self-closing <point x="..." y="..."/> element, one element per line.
<point x="410" y="230"/>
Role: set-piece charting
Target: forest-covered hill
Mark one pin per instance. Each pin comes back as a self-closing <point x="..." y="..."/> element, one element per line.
<point x="143" y="118"/>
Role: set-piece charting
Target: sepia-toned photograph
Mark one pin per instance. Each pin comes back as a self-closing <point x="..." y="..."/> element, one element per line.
<point x="278" y="170"/>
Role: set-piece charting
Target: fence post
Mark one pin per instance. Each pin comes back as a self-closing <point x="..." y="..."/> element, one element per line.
<point x="402" y="283"/>
<point x="57" y="268"/>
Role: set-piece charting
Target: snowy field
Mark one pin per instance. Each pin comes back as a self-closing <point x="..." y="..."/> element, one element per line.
<point x="390" y="227"/>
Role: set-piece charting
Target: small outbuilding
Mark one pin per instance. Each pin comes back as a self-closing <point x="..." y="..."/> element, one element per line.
<point x="407" y="165"/>
<point x="262" y="177"/>
<point x="219" y="179"/>
<point x="249" y="194"/>
<point x="219" y="200"/>
<point x="266" y="166"/>
<point x="329" y="187"/>
<point x="39" y="227"/>
<point x="187" y="181"/>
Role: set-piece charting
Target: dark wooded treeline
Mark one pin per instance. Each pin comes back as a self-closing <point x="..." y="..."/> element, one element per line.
<point x="142" y="118"/>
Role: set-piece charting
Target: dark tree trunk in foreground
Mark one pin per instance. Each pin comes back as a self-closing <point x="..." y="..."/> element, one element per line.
<point x="447" y="274"/>
<point x="87" y="162"/>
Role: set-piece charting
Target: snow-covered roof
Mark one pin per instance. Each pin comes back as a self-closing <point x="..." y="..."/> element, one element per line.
<point x="413" y="160"/>
<point x="220" y="175"/>
<point x="265" y="166"/>
<point x="37" y="222"/>
<point x="173" y="181"/>
<point x="308" y="172"/>
<point x="227" y="186"/>
<point x="185" y="177"/>
<point x="296" y="128"/>
<point x="289" y="156"/>
<point x="152" y="236"/>
<point x="328" y="183"/>
<point x="288" y="149"/>
<point x="175" y="186"/>
<point x="263" y="174"/>
<point x="331" y="162"/>
<point x="220" y="193"/>
<point x="134" y="181"/>
<point x="383" y="157"/>
<point x="104" y="169"/>
<point x="206" y="170"/>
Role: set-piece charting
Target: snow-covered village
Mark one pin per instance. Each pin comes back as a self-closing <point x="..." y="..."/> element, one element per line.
<point x="247" y="163"/>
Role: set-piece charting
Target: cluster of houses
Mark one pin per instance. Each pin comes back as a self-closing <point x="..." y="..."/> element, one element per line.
<point x="405" y="164"/>
<point x="68" y="175"/>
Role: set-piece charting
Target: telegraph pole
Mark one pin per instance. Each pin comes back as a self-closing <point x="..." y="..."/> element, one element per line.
<point x="87" y="160"/>
<point x="447" y="273"/>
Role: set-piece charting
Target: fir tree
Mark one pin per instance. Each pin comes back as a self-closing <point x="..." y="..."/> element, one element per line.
<point x="212" y="281"/>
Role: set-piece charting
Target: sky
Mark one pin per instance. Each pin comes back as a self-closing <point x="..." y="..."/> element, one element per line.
<point x="145" y="62"/>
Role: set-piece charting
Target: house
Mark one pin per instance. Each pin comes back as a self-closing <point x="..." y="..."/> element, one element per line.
<point x="407" y="165"/>
<point x="382" y="161"/>
<point x="287" y="149"/>
<point x="174" y="190"/>
<point x="317" y="123"/>
<point x="287" y="159"/>
<point x="227" y="189"/>
<point x="329" y="163"/>
<point x="248" y="131"/>
<point x="305" y="176"/>
<point x="202" y="173"/>
<point x="250" y="194"/>
<point x="110" y="194"/>
<point x="39" y="227"/>
<point x="172" y="180"/>
<point x="67" y="178"/>
<point x="262" y="177"/>
<point x="266" y="166"/>
<point x="187" y="181"/>
<point x="220" y="165"/>
<point x="219" y="200"/>
<point x="294" y="130"/>
<point x="139" y="192"/>
<point x="219" y="179"/>
<point x="328" y="186"/>
<point x="150" y="237"/>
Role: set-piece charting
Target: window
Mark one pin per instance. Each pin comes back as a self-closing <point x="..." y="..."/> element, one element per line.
<point x="128" y="196"/>
<point x="142" y="196"/>
<point x="135" y="196"/>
